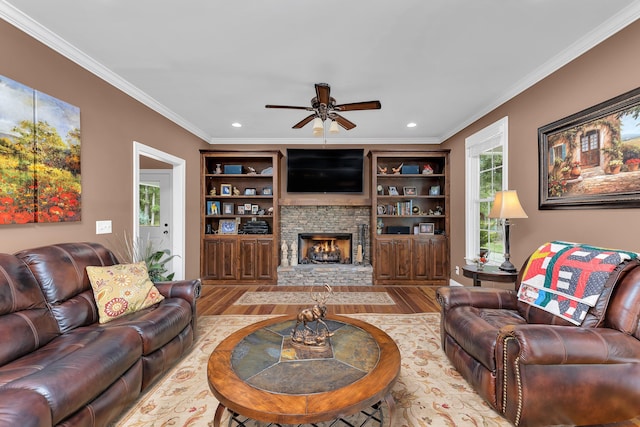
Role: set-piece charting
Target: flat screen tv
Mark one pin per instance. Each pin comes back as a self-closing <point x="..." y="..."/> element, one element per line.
<point x="325" y="170"/>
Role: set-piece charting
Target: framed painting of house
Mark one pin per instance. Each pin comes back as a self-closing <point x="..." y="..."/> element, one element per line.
<point x="590" y="159"/>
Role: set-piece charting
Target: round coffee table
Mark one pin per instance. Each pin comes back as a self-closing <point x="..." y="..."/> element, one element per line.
<point x="258" y="373"/>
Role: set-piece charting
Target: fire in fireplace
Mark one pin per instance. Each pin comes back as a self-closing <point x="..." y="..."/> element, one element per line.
<point x="324" y="248"/>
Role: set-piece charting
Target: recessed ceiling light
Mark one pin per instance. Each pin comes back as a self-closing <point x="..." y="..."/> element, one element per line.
<point x="236" y="125"/>
<point x="411" y="125"/>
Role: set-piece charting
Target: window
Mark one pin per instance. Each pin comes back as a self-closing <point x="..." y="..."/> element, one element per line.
<point x="486" y="172"/>
<point x="149" y="204"/>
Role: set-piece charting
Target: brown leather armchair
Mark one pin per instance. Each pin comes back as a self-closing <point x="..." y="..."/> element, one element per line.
<point x="537" y="369"/>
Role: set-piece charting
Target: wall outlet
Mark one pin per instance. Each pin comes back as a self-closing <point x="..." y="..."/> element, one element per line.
<point x="457" y="270"/>
<point x="103" y="227"/>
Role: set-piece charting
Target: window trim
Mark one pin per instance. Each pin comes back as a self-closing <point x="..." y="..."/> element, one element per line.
<point x="492" y="136"/>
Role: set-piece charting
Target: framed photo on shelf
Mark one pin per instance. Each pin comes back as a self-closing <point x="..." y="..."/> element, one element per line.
<point x="227" y="208"/>
<point x="249" y="191"/>
<point x="254" y="209"/>
<point x="267" y="191"/>
<point x="434" y="191"/>
<point x="247" y="208"/>
<point x="228" y="226"/>
<point x="393" y="191"/>
<point x="225" y="189"/>
<point x="427" y="228"/>
<point x="240" y="209"/>
<point x="213" y="207"/>
<point x="409" y="191"/>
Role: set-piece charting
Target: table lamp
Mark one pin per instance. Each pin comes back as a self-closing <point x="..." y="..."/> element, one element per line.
<point x="505" y="207"/>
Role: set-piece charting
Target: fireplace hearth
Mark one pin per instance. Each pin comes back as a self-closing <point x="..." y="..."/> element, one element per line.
<point x="324" y="248"/>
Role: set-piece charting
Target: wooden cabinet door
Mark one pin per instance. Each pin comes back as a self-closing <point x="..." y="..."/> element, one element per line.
<point x="439" y="257"/>
<point x="384" y="256"/>
<point x="265" y="265"/>
<point x="421" y="259"/>
<point x="256" y="259"/>
<point x="248" y="256"/>
<point x="402" y="259"/>
<point x="220" y="259"/>
<point x="393" y="259"/>
<point x="430" y="259"/>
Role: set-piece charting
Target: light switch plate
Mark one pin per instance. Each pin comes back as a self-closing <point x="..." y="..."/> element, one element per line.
<point x="103" y="227"/>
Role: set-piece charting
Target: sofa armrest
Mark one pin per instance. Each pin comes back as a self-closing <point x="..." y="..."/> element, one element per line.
<point x="186" y="289"/>
<point x="563" y="345"/>
<point x="549" y="375"/>
<point x="453" y="296"/>
<point x="24" y="408"/>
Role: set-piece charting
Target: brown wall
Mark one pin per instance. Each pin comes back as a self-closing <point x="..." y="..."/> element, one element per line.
<point x="110" y="121"/>
<point x="608" y="70"/>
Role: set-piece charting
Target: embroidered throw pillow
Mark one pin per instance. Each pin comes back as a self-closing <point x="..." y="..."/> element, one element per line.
<point x="122" y="289"/>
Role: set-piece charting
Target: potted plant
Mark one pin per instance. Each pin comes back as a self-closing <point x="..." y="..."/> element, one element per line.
<point x="575" y="169"/>
<point x="614" y="166"/>
<point x="632" y="164"/>
<point x="132" y="250"/>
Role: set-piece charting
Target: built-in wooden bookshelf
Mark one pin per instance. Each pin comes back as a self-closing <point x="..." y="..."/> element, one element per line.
<point x="239" y="217"/>
<point x="410" y="217"/>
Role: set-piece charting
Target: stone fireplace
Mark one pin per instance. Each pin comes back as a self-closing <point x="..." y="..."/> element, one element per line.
<point x="324" y="248"/>
<point x="331" y="225"/>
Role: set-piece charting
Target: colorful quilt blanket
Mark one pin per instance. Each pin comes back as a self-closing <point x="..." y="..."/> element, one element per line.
<point x="566" y="279"/>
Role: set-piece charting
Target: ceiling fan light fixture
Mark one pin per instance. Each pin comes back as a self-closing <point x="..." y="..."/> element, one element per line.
<point x="317" y="124"/>
<point x="334" y="127"/>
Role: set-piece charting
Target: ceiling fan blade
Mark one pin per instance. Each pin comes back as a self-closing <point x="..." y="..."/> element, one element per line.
<point x="322" y="92"/>
<point x="304" y="121"/>
<point x="348" y="125"/>
<point x="367" y="105"/>
<point x="287" y="106"/>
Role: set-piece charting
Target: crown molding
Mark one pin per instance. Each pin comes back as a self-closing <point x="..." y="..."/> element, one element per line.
<point x="34" y="29"/>
<point x="616" y="23"/>
<point x="317" y="141"/>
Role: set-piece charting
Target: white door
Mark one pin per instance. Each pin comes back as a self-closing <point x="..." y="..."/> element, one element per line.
<point x="155" y="207"/>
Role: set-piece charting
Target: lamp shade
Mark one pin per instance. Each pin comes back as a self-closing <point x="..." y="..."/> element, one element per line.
<point x="317" y="124"/>
<point x="334" y="127"/>
<point x="507" y="205"/>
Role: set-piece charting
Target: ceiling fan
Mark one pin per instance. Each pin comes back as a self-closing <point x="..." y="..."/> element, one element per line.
<point x="324" y="107"/>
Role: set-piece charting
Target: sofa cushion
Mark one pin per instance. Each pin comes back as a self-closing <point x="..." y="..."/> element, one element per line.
<point x="25" y="320"/>
<point x="74" y="368"/>
<point x="158" y="324"/>
<point x="122" y="289"/>
<point x="60" y="272"/>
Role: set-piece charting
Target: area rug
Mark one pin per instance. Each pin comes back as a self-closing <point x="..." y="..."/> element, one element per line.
<point x="306" y="298"/>
<point x="429" y="392"/>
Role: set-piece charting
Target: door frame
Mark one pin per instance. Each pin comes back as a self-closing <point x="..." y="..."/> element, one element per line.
<point x="178" y="203"/>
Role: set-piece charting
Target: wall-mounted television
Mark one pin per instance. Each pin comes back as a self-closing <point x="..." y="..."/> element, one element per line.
<point x="325" y="170"/>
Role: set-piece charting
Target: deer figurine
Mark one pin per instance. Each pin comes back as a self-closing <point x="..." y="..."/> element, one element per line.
<point x="311" y="314"/>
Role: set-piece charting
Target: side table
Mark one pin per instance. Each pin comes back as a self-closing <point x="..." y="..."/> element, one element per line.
<point x="488" y="273"/>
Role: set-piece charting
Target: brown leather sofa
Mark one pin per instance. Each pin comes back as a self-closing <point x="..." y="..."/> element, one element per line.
<point x="58" y="365"/>
<point x="537" y="369"/>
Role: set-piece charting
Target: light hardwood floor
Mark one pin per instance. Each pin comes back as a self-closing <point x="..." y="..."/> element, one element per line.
<point x="217" y="299"/>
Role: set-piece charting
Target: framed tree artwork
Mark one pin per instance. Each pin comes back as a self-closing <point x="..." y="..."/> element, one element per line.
<point x="40" y="161"/>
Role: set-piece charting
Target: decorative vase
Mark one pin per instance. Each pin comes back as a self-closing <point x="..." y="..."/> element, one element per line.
<point x="218" y="169"/>
<point x="614" y="169"/>
<point x="576" y="171"/>
<point x="633" y="166"/>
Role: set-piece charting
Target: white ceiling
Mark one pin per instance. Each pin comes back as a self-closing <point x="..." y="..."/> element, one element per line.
<point x="207" y="63"/>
